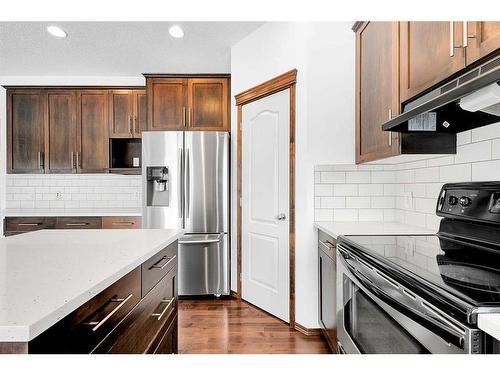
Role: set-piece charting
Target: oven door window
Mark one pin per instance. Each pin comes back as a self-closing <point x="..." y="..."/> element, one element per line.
<point x="371" y="328"/>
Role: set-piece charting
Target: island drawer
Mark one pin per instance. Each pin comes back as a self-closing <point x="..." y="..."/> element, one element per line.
<point x="79" y="222"/>
<point x="29" y="223"/>
<point x="83" y="329"/>
<point x="142" y="330"/>
<point x="168" y="343"/>
<point x="158" y="266"/>
<point x="121" y="222"/>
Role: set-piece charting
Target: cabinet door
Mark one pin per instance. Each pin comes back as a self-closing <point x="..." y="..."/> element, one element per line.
<point x="430" y="53"/>
<point x="121" y="113"/>
<point x="377" y="91"/>
<point x="141" y="113"/>
<point x="62" y="131"/>
<point x="166" y="103"/>
<point x="483" y="38"/>
<point x="93" y="131"/>
<point x="208" y="104"/>
<point x="25" y="131"/>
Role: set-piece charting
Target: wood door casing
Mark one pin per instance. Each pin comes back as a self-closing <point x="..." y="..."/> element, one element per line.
<point x="377" y="89"/>
<point x="141" y="113"/>
<point x="208" y="104"/>
<point x="426" y="49"/>
<point x="483" y="39"/>
<point x="166" y="103"/>
<point x="93" y="131"/>
<point x="25" y="131"/>
<point x="121" y="113"/>
<point x="62" y="131"/>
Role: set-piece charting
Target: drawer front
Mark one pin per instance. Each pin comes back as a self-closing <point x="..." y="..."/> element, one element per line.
<point x="168" y="343"/>
<point x="158" y="266"/>
<point x="327" y="244"/>
<point x="29" y="224"/>
<point x="79" y="222"/>
<point x="141" y="331"/>
<point x="121" y="222"/>
<point x="83" y="329"/>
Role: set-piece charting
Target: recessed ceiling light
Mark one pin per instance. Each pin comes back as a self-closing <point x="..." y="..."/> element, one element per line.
<point x="176" y="31"/>
<point x="57" y="31"/>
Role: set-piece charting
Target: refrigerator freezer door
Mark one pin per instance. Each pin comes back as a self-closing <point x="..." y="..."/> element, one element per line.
<point x="206" y="160"/>
<point x="204" y="265"/>
<point x="163" y="149"/>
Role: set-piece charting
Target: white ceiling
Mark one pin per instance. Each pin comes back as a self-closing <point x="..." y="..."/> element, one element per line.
<point x="118" y="48"/>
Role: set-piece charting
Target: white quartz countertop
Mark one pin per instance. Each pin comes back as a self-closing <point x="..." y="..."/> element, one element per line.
<point x="374" y="228"/>
<point x="9" y="212"/>
<point x="45" y="275"/>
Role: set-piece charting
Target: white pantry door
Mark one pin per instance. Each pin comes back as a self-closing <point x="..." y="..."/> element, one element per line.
<point x="265" y="203"/>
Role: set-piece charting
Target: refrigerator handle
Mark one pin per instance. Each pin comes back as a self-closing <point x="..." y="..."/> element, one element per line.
<point x="180" y="189"/>
<point x="187" y="186"/>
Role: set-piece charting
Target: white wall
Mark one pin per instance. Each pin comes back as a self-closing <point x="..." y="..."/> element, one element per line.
<point x="323" y="54"/>
<point x="46" y="81"/>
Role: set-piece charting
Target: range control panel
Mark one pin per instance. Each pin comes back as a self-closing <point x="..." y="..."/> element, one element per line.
<point x="472" y="201"/>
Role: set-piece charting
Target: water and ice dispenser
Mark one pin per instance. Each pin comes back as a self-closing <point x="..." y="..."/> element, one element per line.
<point x="158" y="190"/>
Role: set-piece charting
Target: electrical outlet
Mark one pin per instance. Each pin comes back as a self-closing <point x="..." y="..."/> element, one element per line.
<point x="58" y="195"/>
<point x="408" y="200"/>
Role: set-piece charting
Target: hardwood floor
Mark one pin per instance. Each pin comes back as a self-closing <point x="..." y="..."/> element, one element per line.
<point x="235" y="327"/>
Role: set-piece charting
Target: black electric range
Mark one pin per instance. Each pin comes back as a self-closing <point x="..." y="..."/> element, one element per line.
<point x="456" y="271"/>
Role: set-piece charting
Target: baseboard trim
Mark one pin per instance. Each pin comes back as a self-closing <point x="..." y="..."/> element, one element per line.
<point x="308" y="331"/>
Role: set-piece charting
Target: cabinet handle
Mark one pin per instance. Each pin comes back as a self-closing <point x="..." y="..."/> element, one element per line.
<point x="98" y="324"/>
<point x="452" y="38"/>
<point x="157" y="265"/>
<point x="29" y="224"/>
<point x="169" y="303"/>
<point x="130" y="124"/>
<point x="184" y="116"/>
<point x="390" y="133"/>
<point x="189" y="117"/>
<point x="465" y="34"/>
<point x="76" y="224"/>
<point x="78" y="160"/>
<point x="40" y="160"/>
<point x="135" y="124"/>
<point x="73" y="166"/>
<point x="123" y="223"/>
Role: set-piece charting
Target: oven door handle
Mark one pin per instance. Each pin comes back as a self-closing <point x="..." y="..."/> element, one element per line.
<point x="449" y="334"/>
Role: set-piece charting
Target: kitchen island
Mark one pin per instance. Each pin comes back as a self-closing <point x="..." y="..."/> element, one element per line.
<point x="80" y="291"/>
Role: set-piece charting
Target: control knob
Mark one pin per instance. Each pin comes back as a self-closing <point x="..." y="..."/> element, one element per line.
<point x="465" y="201"/>
<point x="452" y="200"/>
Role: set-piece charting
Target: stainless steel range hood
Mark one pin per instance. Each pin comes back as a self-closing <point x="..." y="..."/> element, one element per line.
<point x="469" y="101"/>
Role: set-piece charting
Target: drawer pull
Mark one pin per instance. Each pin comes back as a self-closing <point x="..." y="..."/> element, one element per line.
<point x="158" y="266"/>
<point x="169" y="303"/>
<point x="76" y="224"/>
<point x="98" y="324"/>
<point x="123" y="223"/>
<point x="29" y="224"/>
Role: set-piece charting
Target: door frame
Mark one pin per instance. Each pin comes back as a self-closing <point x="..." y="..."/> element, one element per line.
<point x="282" y="82"/>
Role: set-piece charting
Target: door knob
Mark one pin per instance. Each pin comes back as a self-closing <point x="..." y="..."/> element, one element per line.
<point x="281" y="217"/>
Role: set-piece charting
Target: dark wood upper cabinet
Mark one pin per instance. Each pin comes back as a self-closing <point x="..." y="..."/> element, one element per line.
<point x="208" y="104"/>
<point x="430" y="53"/>
<point x="186" y="102"/>
<point x="483" y="38"/>
<point x="166" y="103"/>
<point x="25" y="131"/>
<point x="377" y="89"/>
<point x="121" y="113"/>
<point x="62" y="131"/>
<point x="93" y="155"/>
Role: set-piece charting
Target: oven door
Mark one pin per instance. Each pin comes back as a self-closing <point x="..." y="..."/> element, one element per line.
<point x="371" y="316"/>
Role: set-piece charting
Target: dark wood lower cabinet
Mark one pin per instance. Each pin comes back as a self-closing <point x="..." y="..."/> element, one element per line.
<point x="116" y="321"/>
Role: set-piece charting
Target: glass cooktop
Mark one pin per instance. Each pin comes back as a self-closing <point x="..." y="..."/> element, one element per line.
<point x="468" y="272"/>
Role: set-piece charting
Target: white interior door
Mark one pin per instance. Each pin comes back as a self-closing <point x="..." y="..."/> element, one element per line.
<point x="265" y="203"/>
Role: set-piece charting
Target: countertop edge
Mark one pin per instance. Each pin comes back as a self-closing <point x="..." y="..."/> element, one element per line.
<point x="28" y="333"/>
<point x="380" y="228"/>
<point x="489" y="323"/>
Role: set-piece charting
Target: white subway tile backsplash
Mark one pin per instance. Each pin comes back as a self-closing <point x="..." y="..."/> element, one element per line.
<point x="358" y="202"/>
<point x="358" y="177"/>
<point x="323" y="215"/>
<point x="345" y="190"/>
<point x="370" y="189"/>
<point x="74" y="191"/>
<point x="454" y="173"/>
<point x="333" y="202"/>
<point x="332" y="177"/>
<point x="384" y="177"/>
<point x="344" y="214"/>
<point x="464" y="137"/>
<point x="371" y="214"/>
<point x="323" y="190"/>
<point x="472" y="152"/>
<point x="486" y="171"/>
<point x="427" y="174"/>
<point x="486" y="132"/>
<point x="383" y="202"/>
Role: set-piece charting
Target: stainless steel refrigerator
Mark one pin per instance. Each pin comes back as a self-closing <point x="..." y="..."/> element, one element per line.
<point x="186" y="185"/>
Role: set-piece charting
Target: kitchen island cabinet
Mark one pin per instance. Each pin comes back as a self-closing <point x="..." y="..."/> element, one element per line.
<point x="83" y="292"/>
